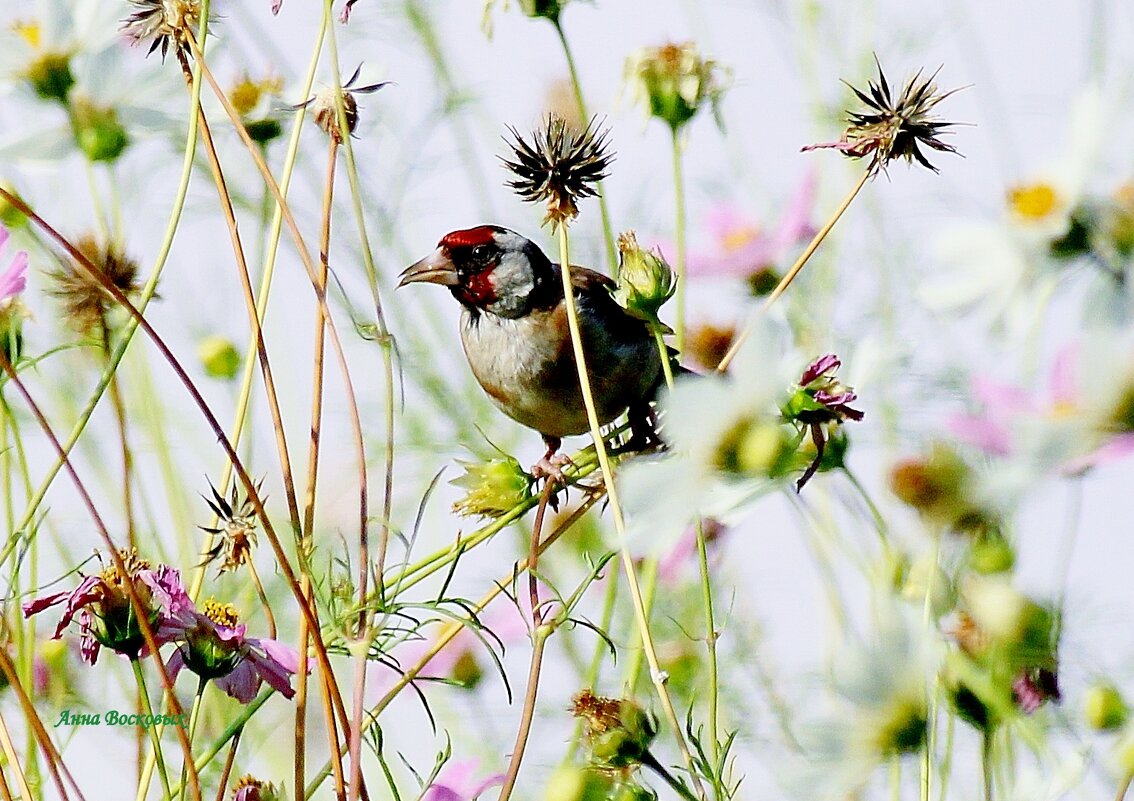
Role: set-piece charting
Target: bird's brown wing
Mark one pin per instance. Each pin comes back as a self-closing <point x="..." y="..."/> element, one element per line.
<point x="590" y="281"/>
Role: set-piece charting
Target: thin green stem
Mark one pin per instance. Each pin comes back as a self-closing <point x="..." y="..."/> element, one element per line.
<point x="591" y="679"/>
<point x="194" y="715"/>
<point x="931" y="682"/>
<point x="136" y="664"/>
<point x="986" y="763"/>
<point x="679" y="232"/>
<point x="710" y="642"/>
<point x="637" y="648"/>
<point x="880" y="525"/>
<point x="663" y="351"/>
<point x="577" y="88"/>
<point x="658" y="676"/>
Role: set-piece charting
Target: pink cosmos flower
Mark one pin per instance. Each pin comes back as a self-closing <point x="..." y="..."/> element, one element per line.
<point x="1006" y="409"/>
<point x="742" y="249"/>
<point x="106" y="616"/>
<point x="456" y="782"/>
<point x="13" y="280"/>
<point x="684" y="552"/>
<point x="214" y="646"/>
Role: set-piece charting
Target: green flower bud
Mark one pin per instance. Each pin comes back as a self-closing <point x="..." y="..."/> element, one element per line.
<point x="631" y="791"/>
<point x="219" y="357"/>
<point x="570" y="783"/>
<point x="50" y="76"/>
<point x="494" y="487"/>
<point x="901" y="729"/>
<point x="548" y="9"/>
<point x="675" y="81"/>
<point x="263" y="131"/>
<point x="98" y="133"/>
<point x="992" y="554"/>
<point x="467" y="670"/>
<point x="1104" y="708"/>
<point x="645" y="280"/>
<point x="755" y="447"/>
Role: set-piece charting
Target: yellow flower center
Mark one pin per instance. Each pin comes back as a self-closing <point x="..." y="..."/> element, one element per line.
<point x="29" y="31"/>
<point x="131" y="561"/>
<point x="1034" y="202"/>
<point x="221" y="614"/>
<point x="737" y="238"/>
<point x="1061" y="410"/>
<point x="247" y="93"/>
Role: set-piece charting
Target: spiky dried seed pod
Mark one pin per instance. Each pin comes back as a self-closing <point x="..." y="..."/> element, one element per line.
<point x="559" y="167"/>
<point x="891" y="128"/>
<point x="86" y="303"/>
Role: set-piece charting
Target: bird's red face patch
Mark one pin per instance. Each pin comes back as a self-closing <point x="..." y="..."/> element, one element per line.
<point x="469" y="237"/>
<point x="477" y="289"/>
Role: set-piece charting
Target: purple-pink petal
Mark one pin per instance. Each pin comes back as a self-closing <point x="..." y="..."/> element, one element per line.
<point x="982" y="432"/>
<point x="15" y="278"/>
<point x="821" y="366"/>
<point x="241" y="683"/>
<point x="456" y="782"/>
<point x="1116" y="448"/>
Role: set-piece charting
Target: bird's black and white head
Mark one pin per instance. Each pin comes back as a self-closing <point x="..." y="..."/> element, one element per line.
<point x="488" y="269"/>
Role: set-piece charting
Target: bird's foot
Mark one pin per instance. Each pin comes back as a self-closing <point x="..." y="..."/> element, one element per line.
<point x="551" y="467"/>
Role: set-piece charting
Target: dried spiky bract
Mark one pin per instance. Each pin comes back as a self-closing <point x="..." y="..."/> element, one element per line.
<point x="559" y="166"/>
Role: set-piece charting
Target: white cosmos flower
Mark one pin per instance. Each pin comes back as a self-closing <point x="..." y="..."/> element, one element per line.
<point x="879" y="708"/>
<point x="1002" y="270"/>
<point x="663" y="495"/>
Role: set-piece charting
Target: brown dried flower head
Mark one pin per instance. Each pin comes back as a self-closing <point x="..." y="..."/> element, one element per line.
<point x="86" y="304"/>
<point x="895" y="127"/>
<point x="164" y="23"/>
<point x="325" y="106"/>
<point x="236" y="531"/>
<point x="559" y="167"/>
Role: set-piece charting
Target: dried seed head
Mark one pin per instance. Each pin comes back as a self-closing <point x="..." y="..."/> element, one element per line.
<point x="236" y="530"/>
<point x="559" y="167"/>
<point x="325" y="106"/>
<point x="618" y="732"/>
<point x="86" y="305"/>
<point x="163" y="23"/>
<point x="890" y="128"/>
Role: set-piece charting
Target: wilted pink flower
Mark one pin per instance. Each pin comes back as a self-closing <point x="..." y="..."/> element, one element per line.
<point x="215" y="647"/>
<point x="106" y="616"/>
<point x="742" y="249"/>
<point x="456" y="782"/>
<point x="1033" y="687"/>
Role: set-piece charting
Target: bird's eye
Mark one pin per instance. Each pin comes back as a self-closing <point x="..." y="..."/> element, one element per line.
<point x="480" y="253"/>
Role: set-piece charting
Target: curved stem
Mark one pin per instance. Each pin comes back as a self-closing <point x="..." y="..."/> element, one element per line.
<point x="452" y="630"/>
<point x="791" y="274"/>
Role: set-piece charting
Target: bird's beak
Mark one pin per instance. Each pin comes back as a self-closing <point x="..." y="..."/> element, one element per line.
<point x="436" y="268"/>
